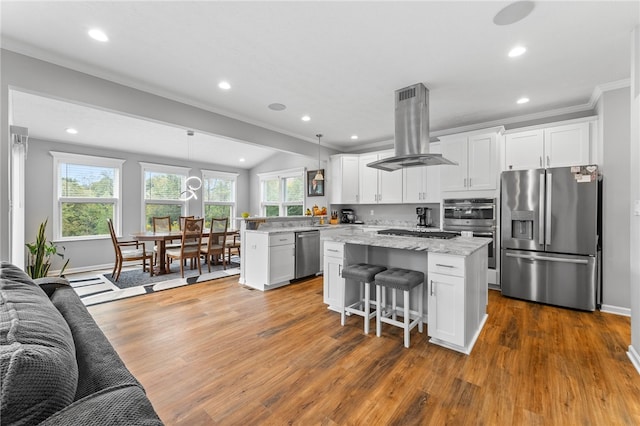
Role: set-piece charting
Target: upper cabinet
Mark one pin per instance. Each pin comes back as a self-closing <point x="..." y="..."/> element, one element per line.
<point x="477" y="156"/>
<point x="554" y="146"/>
<point x="344" y="179"/>
<point x="378" y="186"/>
<point x="422" y="184"/>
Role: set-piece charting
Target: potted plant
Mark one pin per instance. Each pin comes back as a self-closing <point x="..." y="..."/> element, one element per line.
<point x="40" y="253"/>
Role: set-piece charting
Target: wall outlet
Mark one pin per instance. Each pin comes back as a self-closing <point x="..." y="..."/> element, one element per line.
<point x="371" y="213"/>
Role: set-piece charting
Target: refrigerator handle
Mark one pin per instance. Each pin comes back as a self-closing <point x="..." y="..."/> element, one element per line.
<point x="541" y="211"/>
<point x="547" y="237"/>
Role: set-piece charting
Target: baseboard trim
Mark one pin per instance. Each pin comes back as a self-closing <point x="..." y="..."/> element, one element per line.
<point x="617" y="310"/>
<point x="634" y="357"/>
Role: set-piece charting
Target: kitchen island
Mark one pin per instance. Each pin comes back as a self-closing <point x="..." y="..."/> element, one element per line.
<point x="455" y="291"/>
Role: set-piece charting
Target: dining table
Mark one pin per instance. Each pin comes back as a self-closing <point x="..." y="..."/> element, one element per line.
<point x="161" y="237"/>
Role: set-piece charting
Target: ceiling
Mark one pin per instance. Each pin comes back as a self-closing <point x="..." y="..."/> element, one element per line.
<point x="338" y="62"/>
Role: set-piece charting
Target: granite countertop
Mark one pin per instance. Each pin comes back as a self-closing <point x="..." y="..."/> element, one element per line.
<point x="266" y="230"/>
<point x="459" y="246"/>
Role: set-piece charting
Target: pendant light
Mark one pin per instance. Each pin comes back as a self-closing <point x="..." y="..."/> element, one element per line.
<point x="318" y="173"/>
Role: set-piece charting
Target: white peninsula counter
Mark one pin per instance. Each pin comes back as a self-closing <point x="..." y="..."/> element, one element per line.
<point x="455" y="291"/>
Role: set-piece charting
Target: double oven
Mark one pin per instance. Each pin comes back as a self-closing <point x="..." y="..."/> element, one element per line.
<point x="477" y="215"/>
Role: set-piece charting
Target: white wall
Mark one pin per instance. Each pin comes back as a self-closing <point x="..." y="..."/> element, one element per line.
<point x="43" y="78"/>
<point x="613" y="109"/>
<point x="634" y="195"/>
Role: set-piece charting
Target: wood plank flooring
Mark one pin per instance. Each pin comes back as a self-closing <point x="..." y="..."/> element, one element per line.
<point x="219" y="353"/>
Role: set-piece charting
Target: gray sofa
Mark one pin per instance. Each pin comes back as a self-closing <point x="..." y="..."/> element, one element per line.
<point x="56" y="365"/>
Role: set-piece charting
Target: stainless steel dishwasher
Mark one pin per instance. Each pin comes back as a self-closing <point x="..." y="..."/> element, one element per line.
<point x="307" y="253"/>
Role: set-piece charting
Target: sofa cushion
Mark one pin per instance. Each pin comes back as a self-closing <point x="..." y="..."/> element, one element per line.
<point x="38" y="370"/>
<point x="123" y="405"/>
<point x="99" y="365"/>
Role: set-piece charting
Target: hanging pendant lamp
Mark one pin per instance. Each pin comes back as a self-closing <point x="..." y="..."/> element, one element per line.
<point x="318" y="173"/>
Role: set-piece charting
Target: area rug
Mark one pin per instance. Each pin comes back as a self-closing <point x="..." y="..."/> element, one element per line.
<point x="101" y="288"/>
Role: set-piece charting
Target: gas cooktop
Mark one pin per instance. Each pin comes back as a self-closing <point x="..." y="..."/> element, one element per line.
<point x="419" y="233"/>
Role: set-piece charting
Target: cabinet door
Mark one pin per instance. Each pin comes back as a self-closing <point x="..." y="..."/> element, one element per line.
<point x="454" y="178"/>
<point x="368" y="179"/>
<point x="282" y="263"/>
<point x="413" y="188"/>
<point x="389" y="184"/>
<point x="432" y="187"/>
<point x="446" y="308"/>
<point x="482" y="157"/>
<point x="349" y="180"/>
<point x="333" y="282"/>
<point x="524" y="150"/>
<point x="567" y="145"/>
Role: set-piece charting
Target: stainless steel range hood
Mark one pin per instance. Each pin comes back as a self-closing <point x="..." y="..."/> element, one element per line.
<point x="412" y="132"/>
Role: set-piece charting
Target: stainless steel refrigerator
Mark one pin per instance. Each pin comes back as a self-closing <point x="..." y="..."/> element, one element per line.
<point x="551" y="236"/>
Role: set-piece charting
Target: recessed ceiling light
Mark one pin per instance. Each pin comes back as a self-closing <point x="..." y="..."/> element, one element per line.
<point x="517" y="51"/>
<point x="523" y="100"/>
<point x="241" y="160"/>
<point x="513" y="13"/>
<point x="354" y="137"/>
<point x="98" y="35"/>
<point x="305" y="118"/>
<point x="277" y="107"/>
<point x="71" y="131"/>
<point x="224" y="85"/>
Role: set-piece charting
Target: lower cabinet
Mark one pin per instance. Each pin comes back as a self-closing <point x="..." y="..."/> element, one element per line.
<point x="333" y="283"/>
<point x="457" y="298"/>
<point x="272" y="258"/>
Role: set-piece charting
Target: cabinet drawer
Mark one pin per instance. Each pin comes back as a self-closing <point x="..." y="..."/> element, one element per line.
<point x="281" y="239"/>
<point x="446" y="264"/>
<point x="333" y="249"/>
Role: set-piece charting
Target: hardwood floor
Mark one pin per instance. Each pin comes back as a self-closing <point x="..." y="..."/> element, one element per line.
<point x="219" y="353"/>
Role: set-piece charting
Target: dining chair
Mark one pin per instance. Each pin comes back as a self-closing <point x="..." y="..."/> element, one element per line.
<point x="216" y="242"/>
<point x="182" y="219"/>
<point x="191" y="242"/>
<point x="162" y="224"/>
<point x="233" y="243"/>
<point x="128" y="251"/>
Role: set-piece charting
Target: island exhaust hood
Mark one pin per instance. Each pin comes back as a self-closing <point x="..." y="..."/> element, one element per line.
<point x="412" y="132"/>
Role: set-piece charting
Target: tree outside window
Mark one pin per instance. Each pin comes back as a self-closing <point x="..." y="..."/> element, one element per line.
<point x="163" y="189"/>
<point x="282" y="193"/>
<point x="88" y="193"/>
<point x="219" y="195"/>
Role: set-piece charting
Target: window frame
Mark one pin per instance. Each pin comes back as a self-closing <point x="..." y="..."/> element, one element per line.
<point x="91" y="161"/>
<point x="282" y="204"/>
<point x="162" y="168"/>
<point x="206" y="174"/>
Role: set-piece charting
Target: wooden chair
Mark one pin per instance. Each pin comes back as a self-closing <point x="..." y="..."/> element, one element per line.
<point x="162" y="224"/>
<point x="233" y="244"/>
<point x="190" y="247"/>
<point x="216" y="242"/>
<point x="182" y="219"/>
<point x="128" y="251"/>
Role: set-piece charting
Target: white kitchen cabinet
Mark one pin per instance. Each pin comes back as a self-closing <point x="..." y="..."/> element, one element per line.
<point x="378" y="186"/>
<point x="422" y="184"/>
<point x="333" y="283"/>
<point x="555" y="146"/>
<point x="457" y="298"/>
<point x="326" y="233"/>
<point x="272" y="258"/>
<point x="344" y="179"/>
<point x="477" y="158"/>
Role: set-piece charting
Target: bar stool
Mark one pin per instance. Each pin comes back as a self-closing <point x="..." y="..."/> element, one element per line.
<point x="365" y="274"/>
<point x="405" y="280"/>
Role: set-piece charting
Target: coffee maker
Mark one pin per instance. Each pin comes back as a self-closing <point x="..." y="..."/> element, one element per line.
<point x="347" y="216"/>
<point x="424" y="216"/>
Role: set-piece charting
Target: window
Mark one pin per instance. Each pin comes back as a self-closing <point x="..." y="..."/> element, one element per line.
<point x="282" y="193"/>
<point x="163" y="193"/>
<point x="88" y="192"/>
<point x="219" y="195"/>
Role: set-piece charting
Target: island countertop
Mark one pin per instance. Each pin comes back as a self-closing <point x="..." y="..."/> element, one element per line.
<point x="459" y="246"/>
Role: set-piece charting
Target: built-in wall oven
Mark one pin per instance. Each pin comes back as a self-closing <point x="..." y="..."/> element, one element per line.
<point x="477" y="215"/>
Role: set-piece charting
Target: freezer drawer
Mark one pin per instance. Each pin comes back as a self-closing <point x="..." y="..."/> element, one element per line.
<point x="562" y="280"/>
